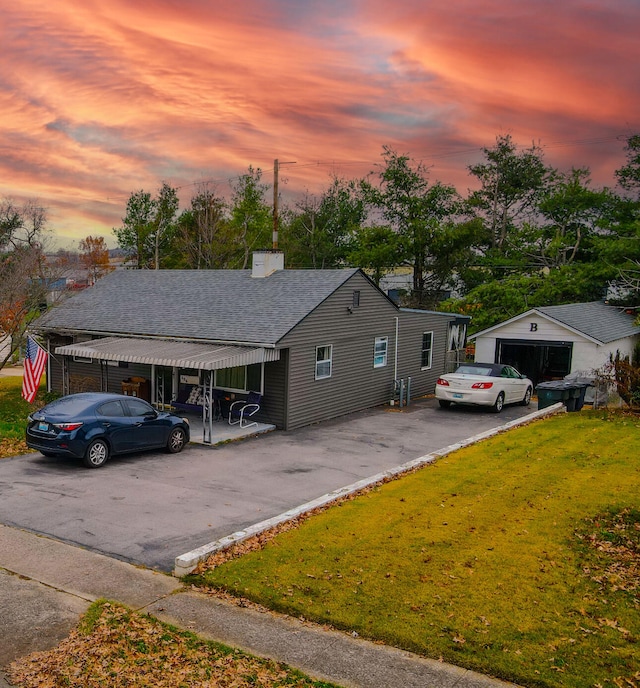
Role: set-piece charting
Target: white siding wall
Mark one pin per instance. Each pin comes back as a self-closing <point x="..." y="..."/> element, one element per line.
<point x="587" y="355"/>
<point x="485" y="349"/>
<point x="591" y="356"/>
<point x="544" y="330"/>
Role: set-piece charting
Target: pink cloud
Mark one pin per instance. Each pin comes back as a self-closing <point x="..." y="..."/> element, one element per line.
<point x="100" y="99"/>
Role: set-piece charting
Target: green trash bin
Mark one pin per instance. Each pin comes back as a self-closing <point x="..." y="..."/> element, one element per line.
<point x="550" y="393"/>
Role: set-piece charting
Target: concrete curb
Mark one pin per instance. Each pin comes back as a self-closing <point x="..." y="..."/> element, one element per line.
<point x="186" y="563"/>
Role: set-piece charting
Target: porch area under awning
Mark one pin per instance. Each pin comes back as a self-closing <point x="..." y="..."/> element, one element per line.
<point x="169" y="353"/>
<point x="179" y="355"/>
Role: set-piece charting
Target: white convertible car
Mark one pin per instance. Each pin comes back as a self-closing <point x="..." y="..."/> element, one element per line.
<point x="484" y="384"/>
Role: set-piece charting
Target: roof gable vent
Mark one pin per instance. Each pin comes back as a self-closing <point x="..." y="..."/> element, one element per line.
<point x="265" y="263"/>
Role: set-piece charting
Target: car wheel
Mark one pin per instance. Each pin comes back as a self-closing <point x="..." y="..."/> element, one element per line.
<point x="499" y="405"/>
<point x="177" y="440"/>
<point x="527" y="397"/>
<point x="444" y="403"/>
<point x="96" y="455"/>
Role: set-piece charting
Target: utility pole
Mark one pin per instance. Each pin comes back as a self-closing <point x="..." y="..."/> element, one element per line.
<point x="275" y="204"/>
<point x="276" y="169"/>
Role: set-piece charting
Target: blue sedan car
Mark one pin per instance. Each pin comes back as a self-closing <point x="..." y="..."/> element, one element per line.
<point x="95" y="425"/>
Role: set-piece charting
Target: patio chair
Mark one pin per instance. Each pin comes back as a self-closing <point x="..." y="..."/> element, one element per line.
<point x="239" y="411"/>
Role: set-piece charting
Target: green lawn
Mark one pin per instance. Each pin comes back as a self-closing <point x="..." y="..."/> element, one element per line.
<point x="518" y="557"/>
<point x="13" y="415"/>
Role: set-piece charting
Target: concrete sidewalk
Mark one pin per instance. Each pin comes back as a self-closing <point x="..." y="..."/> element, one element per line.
<point x="45" y="585"/>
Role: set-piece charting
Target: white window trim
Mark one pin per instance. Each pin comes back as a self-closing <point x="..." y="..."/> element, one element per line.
<point x="325" y="360"/>
<point x="422" y="350"/>
<point x="380" y="340"/>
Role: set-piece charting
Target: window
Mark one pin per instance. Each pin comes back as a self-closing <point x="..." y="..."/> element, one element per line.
<point x="427" y="349"/>
<point x="356" y="298"/>
<point x="380" y="352"/>
<point x="111" y="408"/>
<point x="138" y="407"/>
<point x="323" y="361"/>
<point x="242" y="378"/>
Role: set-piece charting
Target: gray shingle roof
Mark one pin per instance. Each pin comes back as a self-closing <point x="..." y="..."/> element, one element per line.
<point x="218" y="305"/>
<point x="595" y="319"/>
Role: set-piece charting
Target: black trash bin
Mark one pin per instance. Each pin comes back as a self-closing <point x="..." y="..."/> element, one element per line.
<point x="570" y="393"/>
<point x="583" y="383"/>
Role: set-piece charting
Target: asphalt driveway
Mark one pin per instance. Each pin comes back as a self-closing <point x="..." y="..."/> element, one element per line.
<point x="150" y="508"/>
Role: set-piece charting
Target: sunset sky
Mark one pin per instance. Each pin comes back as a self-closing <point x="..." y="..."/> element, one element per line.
<point x="99" y="99"/>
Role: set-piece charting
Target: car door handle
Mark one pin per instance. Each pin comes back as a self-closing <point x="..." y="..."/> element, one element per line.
<point x="138" y="424"/>
<point x="106" y="425"/>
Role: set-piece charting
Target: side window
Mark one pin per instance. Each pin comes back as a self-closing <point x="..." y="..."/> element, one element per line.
<point x="427" y="350"/>
<point x="138" y="407"/>
<point x="113" y="409"/>
<point x="380" y="352"/>
<point x="356" y="299"/>
<point x="323" y="361"/>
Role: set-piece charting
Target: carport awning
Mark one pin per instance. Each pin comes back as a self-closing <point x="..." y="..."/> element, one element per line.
<point x="169" y="353"/>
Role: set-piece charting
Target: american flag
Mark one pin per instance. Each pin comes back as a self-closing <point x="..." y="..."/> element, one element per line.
<point x="34" y="363"/>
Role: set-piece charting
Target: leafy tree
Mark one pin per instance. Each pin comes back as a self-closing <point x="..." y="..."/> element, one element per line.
<point x="623" y="247"/>
<point x="571" y="214"/>
<point x="166" y="208"/>
<point x="415" y="210"/>
<point x="251" y="218"/>
<point x="319" y="230"/>
<point x="455" y="259"/>
<point x="94" y="256"/>
<point x="629" y="175"/>
<point x="135" y="236"/>
<point x="498" y="300"/>
<point x="512" y="183"/>
<point x="148" y="226"/>
<point x="202" y="240"/>
<point x="376" y="249"/>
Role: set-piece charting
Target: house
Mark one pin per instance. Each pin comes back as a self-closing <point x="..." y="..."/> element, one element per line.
<point x="5" y="345"/>
<point x="550" y="342"/>
<point x="315" y="343"/>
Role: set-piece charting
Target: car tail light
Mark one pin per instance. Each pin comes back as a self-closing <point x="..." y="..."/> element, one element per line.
<point x="442" y="382"/>
<point x="482" y="385"/>
<point x="68" y="427"/>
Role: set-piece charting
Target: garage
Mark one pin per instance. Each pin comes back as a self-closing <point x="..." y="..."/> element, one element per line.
<point x="539" y="361"/>
<point x="551" y="342"/>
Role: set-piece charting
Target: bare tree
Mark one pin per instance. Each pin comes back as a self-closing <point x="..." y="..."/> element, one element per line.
<point x="23" y="270"/>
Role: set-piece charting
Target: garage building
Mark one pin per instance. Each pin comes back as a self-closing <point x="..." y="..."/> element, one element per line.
<point x="550" y="342"/>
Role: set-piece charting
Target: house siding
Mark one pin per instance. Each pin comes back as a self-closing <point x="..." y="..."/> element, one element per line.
<point x="88" y="377"/>
<point x="273" y="405"/>
<point x="354" y="383"/>
<point x="411" y="326"/>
